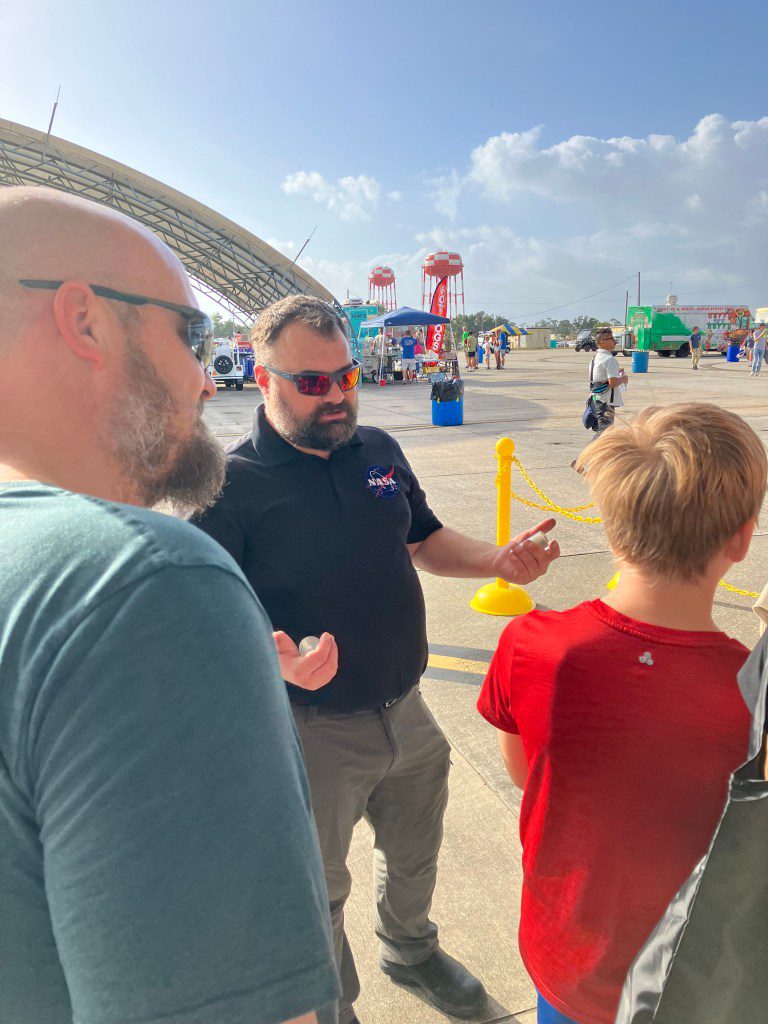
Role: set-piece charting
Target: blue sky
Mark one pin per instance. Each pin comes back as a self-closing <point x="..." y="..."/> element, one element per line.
<point x="559" y="147"/>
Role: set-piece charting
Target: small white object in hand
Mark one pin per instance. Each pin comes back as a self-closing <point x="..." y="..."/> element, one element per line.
<point x="540" y="539"/>
<point x="309" y="643"/>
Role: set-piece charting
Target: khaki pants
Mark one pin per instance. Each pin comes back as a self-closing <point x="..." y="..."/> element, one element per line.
<point x="390" y="767"/>
<point x="695" y="357"/>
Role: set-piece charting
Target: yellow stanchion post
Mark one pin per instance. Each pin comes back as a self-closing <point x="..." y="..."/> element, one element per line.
<point x="501" y="597"/>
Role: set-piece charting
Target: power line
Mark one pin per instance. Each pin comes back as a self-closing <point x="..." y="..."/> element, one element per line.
<point x="584" y="298"/>
<point x="552" y="309"/>
<point x="495" y="302"/>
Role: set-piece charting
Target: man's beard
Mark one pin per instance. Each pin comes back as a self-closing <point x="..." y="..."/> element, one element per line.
<point x="309" y="432"/>
<point x="157" y="464"/>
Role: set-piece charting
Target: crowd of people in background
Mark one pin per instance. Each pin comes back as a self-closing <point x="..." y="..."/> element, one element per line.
<point x="489" y="349"/>
<point x="753" y="349"/>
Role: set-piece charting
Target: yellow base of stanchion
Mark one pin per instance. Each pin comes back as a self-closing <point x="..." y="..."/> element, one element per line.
<point x="495" y="600"/>
<point x="611" y="585"/>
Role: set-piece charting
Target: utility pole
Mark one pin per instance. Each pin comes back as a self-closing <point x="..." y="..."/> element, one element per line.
<point x="626" y="310"/>
<point x="638" y="287"/>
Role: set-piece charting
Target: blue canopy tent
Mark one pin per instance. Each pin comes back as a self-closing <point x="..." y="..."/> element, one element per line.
<point x="405" y="316"/>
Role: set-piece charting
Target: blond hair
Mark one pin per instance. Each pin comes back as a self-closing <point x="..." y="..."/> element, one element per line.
<point x="675" y="484"/>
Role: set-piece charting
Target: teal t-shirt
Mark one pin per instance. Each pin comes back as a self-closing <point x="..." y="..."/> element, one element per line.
<point x="158" y="858"/>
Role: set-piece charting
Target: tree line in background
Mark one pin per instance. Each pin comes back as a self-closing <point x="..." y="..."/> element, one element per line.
<point x="228" y="328"/>
<point x="477" y="322"/>
<point x="483" y="321"/>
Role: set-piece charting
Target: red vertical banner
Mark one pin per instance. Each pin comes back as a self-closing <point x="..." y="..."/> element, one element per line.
<point x="436" y="333"/>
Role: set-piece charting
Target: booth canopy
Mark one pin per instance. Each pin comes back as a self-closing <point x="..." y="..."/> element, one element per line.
<point x="515" y="332"/>
<point x="403" y="317"/>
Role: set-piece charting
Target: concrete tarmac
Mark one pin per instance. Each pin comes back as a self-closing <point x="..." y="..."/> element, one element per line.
<point x="537" y="400"/>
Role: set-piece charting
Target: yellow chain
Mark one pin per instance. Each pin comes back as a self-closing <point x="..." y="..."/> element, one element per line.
<point x="555" y="508"/>
<point x="542" y="495"/>
<point x="735" y="590"/>
<point x="571" y="513"/>
<point x="550" y="505"/>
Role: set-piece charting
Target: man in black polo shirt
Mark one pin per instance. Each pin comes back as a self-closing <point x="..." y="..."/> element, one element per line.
<point x="328" y="523"/>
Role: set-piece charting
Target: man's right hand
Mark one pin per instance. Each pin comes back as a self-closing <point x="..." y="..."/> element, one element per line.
<point x="310" y="671"/>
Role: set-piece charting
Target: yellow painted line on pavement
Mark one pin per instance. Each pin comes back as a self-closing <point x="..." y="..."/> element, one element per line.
<point x="457" y="664"/>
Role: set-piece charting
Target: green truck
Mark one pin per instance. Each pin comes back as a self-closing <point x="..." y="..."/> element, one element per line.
<point x="666" y="329"/>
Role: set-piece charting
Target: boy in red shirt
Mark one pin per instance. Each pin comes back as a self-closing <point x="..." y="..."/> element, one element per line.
<point x="621" y="719"/>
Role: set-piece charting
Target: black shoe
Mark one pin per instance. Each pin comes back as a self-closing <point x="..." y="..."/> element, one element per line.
<point x="448" y="983"/>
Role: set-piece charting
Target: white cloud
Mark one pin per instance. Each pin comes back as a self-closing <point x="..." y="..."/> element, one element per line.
<point x="352" y="198"/>
<point x="686" y="211"/>
<point x="445" y="191"/>
<point x="692" y="211"/>
<point x="286" y="247"/>
<point x="716" y="168"/>
<point x="394" y="197"/>
<point x="340" y="276"/>
<point x="523" y="276"/>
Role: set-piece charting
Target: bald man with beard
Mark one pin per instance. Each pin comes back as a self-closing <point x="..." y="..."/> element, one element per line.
<point x="158" y="859"/>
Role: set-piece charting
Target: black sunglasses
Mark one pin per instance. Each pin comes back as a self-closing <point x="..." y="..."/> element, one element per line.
<point x="318" y="384"/>
<point x="199" y="324"/>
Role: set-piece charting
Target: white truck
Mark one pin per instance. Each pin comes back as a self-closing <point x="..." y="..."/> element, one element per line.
<point x="225" y="367"/>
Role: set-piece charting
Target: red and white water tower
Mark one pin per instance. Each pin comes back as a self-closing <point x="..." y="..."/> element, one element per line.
<point x="434" y="268"/>
<point x="382" y="289"/>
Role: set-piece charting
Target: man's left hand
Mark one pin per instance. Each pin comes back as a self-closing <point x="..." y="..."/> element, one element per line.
<point x="522" y="561"/>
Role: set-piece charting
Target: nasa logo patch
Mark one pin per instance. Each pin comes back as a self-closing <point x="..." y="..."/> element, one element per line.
<point x="381" y="481"/>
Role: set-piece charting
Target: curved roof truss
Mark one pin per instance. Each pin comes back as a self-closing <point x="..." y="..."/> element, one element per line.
<point x="229" y="264"/>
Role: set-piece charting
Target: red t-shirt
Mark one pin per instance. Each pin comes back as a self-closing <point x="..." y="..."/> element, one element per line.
<point x="631" y="732"/>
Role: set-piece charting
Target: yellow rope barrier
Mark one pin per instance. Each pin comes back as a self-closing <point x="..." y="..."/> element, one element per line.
<point x="548" y="505"/>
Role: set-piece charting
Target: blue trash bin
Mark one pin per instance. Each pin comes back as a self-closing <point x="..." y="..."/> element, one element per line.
<point x="448" y="403"/>
<point x="640" y="360"/>
<point x="733" y="353"/>
<point x="448" y="414"/>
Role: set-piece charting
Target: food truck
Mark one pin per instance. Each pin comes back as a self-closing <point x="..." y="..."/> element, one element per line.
<point x="666" y="329"/>
<point x="357" y="312"/>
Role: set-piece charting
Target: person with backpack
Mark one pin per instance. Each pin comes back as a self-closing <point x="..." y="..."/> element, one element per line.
<point x="606" y="378"/>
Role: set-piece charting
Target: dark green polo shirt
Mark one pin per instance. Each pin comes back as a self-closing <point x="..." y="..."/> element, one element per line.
<point x="158" y="859"/>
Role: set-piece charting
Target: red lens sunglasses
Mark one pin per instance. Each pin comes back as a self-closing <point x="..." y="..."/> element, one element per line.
<point x="318" y="384"/>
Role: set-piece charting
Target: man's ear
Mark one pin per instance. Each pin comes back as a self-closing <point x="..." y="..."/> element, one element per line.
<point x="74" y="310"/>
<point x="737" y="547"/>
<point x="261" y="376"/>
